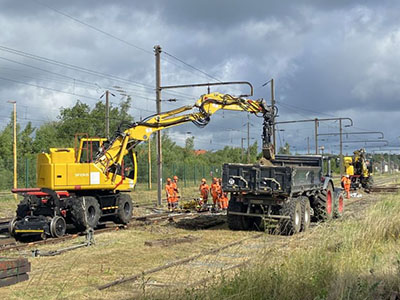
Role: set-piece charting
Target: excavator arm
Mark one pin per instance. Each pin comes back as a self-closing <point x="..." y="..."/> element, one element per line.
<point x="111" y="156"/>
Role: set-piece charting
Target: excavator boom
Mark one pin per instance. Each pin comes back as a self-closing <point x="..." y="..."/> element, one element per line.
<point x="199" y="114"/>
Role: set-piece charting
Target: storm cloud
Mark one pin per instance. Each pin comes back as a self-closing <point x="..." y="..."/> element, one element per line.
<point x="328" y="58"/>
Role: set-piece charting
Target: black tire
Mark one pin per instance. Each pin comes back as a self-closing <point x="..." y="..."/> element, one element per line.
<point x="367" y="183"/>
<point x="58" y="227"/>
<point x="23" y="208"/>
<point x="293" y="210"/>
<point x="236" y="222"/>
<point x="124" y="210"/>
<point x="324" y="205"/>
<point x="85" y="212"/>
<point x="339" y="206"/>
<point x="305" y="213"/>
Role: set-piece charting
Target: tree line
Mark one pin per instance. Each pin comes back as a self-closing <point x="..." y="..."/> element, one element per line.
<point x="81" y="118"/>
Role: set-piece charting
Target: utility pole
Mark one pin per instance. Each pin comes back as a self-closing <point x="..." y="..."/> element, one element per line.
<point x="242" y="139"/>
<point x="15" y="185"/>
<point x="273" y="107"/>
<point x="248" y="138"/>
<point x="341" y="147"/>
<point x="308" y="145"/>
<point x="157" y="51"/>
<point x="149" y="163"/>
<point x="316" y="134"/>
<point x="107" y="116"/>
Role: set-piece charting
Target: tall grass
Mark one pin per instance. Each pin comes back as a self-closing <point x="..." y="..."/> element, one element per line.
<point x="346" y="259"/>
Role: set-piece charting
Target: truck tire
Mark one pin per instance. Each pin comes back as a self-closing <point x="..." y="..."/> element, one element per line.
<point x="124" y="210"/>
<point x="85" y="212"/>
<point x="305" y="213"/>
<point x="339" y="206"/>
<point x="292" y="209"/>
<point x="324" y="204"/>
<point x="236" y="222"/>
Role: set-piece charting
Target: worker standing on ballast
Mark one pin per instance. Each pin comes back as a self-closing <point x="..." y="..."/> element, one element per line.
<point x="204" y="189"/>
<point x="346" y="184"/>
<point x="215" y="192"/>
<point x="223" y="199"/>
<point x="171" y="195"/>
<point x="177" y="194"/>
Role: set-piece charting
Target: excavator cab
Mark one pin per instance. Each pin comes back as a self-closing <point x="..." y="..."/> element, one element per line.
<point x="88" y="148"/>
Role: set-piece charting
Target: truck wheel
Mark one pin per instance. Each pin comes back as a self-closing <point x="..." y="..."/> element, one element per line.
<point x="57" y="227"/>
<point x="124" y="210"/>
<point x="85" y="212"/>
<point x="236" y="222"/>
<point x="293" y="210"/>
<point x="305" y="213"/>
<point x="339" y="206"/>
<point x="324" y="204"/>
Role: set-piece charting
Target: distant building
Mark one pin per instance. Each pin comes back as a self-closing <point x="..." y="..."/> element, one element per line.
<point x="200" y="152"/>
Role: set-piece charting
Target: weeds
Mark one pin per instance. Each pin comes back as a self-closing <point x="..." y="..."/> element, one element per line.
<point x="347" y="259"/>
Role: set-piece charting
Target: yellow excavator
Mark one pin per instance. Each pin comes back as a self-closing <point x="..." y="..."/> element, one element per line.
<point x="359" y="169"/>
<point x="90" y="182"/>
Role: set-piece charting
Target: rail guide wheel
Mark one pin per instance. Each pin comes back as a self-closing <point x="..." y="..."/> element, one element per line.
<point x="11" y="226"/>
<point x="57" y="226"/>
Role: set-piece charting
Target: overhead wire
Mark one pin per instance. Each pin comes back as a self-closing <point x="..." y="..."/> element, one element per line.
<point x="122" y="40"/>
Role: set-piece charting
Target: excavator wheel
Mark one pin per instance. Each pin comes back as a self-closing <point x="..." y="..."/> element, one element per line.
<point x="85" y="212"/>
<point x="124" y="210"/>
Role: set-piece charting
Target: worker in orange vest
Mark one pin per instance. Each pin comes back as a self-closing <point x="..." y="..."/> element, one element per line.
<point x="215" y="192"/>
<point x="171" y="195"/>
<point x="223" y="200"/>
<point x="346" y="184"/>
<point x="175" y="185"/>
<point x="204" y="189"/>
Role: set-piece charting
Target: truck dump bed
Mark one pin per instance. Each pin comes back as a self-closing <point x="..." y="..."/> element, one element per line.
<point x="289" y="175"/>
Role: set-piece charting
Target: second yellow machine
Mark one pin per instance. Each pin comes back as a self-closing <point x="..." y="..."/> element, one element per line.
<point x="91" y="181"/>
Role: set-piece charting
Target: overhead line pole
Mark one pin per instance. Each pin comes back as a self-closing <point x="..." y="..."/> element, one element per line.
<point x="273" y="106"/>
<point x="316" y="135"/>
<point x="157" y="50"/>
<point x="248" y="138"/>
<point x="15" y="183"/>
<point x="107" y="115"/>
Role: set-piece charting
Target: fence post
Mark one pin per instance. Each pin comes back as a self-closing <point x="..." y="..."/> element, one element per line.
<point x="26" y="172"/>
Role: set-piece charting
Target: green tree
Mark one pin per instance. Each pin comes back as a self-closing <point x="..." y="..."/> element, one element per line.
<point x="285" y="149"/>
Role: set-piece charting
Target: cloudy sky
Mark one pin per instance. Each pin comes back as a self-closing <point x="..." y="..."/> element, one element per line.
<point x="328" y="59"/>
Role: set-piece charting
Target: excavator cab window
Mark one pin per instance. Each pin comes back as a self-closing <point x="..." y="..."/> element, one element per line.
<point x="89" y="149"/>
<point x="129" y="165"/>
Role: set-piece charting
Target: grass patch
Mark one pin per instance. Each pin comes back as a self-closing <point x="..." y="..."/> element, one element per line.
<point x="346" y="259"/>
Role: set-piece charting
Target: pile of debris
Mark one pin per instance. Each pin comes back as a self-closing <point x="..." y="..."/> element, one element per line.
<point x="201" y="222"/>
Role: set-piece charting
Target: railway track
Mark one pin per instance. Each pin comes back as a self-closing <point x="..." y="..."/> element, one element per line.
<point x="11" y="244"/>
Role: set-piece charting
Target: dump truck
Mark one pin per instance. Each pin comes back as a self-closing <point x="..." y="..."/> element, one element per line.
<point x="91" y="182"/>
<point x="280" y="191"/>
<point x="286" y="194"/>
